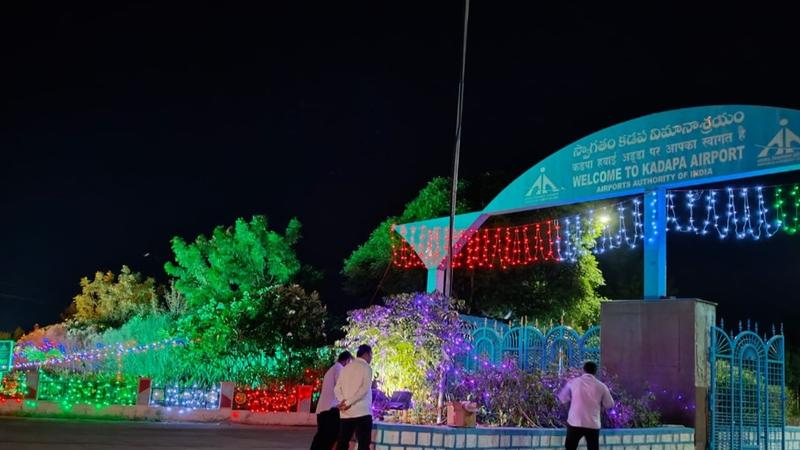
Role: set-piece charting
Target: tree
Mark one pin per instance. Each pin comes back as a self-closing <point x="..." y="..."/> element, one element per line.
<point x="242" y="258"/>
<point x="288" y="316"/>
<point x="368" y="264"/>
<point x="5" y="335"/>
<point x="109" y="300"/>
<point x="547" y="291"/>
<point x="236" y="301"/>
<point x="792" y="384"/>
<point x="174" y="300"/>
<point x="414" y="336"/>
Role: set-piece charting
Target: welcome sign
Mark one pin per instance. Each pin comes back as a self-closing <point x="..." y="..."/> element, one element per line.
<point x="668" y="150"/>
<point x="665" y="150"/>
<point x="6" y="355"/>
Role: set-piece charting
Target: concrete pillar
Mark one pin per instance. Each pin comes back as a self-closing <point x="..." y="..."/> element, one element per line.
<point x="655" y="244"/>
<point x="435" y="280"/>
<point x="226" y="393"/>
<point x="662" y="346"/>
<point x="304" y="398"/>
<point x="32" y="384"/>
<point x="144" y="391"/>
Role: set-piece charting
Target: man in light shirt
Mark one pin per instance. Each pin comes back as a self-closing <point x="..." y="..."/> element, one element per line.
<point x="354" y="393"/>
<point x="328" y="406"/>
<point x="586" y="396"/>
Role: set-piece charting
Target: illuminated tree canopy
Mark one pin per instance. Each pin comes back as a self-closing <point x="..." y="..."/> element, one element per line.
<point x="109" y="300"/>
<point x="241" y="303"/>
<point x="549" y="291"/>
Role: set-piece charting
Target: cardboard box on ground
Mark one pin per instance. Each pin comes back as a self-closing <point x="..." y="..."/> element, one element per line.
<point x="461" y="414"/>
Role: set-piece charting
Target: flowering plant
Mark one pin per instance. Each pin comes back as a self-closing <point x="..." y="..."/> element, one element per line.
<point x="415" y="338"/>
<point x="510" y="396"/>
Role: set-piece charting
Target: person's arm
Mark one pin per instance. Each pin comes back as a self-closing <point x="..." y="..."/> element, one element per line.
<point x="338" y="390"/>
<point x="364" y="386"/>
<point x="608" y="401"/>
<point x="565" y="395"/>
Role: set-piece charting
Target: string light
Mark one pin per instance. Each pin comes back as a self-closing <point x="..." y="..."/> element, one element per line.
<point x="185" y="398"/>
<point x="788" y="208"/>
<point x="653" y="217"/>
<point x="511" y="246"/>
<point x="279" y="398"/>
<point x="521" y="245"/>
<point x="638" y="227"/>
<point x="98" y="390"/>
<point x="13" y="387"/>
<point x="561" y="239"/>
<point x="739" y="222"/>
<point x="403" y="254"/>
<point x="117" y="350"/>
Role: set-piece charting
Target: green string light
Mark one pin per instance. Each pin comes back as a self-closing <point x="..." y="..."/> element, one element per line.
<point x="788" y="208"/>
<point x="100" y="390"/>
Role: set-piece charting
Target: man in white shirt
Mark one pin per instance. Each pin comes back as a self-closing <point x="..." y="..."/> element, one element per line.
<point x="586" y="396"/>
<point x="354" y="393"/>
<point x="328" y="406"/>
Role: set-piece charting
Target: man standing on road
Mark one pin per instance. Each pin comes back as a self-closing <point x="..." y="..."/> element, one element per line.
<point x="586" y="396"/>
<point x="354" y="393"/>
<point x="328" y="406"/>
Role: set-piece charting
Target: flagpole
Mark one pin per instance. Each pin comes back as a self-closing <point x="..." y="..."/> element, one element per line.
<point x="448" y="286"/>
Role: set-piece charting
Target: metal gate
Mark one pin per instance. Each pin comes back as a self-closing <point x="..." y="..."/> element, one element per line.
<point x="552" y="350"/>
<point x="747" y="395"/>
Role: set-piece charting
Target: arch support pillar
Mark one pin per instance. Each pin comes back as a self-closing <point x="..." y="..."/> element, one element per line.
<point x="655" y="245"/>
<point x="435" y="280"/>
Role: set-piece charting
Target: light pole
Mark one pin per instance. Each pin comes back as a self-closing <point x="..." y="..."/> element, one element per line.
<point x="448" y="286"/>
<point x="448" y="278"/>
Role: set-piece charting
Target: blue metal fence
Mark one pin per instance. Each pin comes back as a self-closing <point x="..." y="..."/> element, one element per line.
<point x="555" y="349"/>
<point x="747" y="397"/>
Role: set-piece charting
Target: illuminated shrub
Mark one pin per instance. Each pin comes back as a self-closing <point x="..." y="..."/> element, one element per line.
<point x="509" y="396"/>
<point x="414" y="338"/>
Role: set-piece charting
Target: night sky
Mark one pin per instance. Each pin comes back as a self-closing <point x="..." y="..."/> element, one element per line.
<point x="122" y="125"/>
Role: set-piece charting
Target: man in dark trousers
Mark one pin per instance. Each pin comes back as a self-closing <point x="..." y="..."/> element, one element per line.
<point x="586" y="396"/>
<point x="328" y="406"/>
<point x="354" y="393"/>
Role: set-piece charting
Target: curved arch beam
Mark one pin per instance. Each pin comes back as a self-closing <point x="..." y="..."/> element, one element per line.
<point x="650" y="154"/>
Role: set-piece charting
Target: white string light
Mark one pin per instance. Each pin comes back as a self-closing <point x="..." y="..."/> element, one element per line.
<point x="739" y="219"/>
<point x="101" y="353"/>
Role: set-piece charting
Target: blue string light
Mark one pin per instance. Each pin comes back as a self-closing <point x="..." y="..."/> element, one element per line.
<point x="747" y="216"/>
<point x="185" y="397"/>
<point x="653" y="217"/>
<point x="739" y="220"/>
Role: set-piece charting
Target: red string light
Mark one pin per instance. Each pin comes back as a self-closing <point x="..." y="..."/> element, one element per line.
<point x="12" y="387"/>
<point x="403" y="254"/>
<point x="488" y="248"/>
<point x="279" y="397"/>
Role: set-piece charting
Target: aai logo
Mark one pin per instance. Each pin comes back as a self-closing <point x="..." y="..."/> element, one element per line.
<point x="542" y="188"/>
<point x="784" y="147"/>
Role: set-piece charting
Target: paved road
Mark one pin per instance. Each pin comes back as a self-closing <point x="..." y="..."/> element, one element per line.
<point x="41" y="434"/>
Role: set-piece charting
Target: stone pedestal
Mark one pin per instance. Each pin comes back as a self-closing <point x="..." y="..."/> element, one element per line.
<point x="227" y="390"/>
<point x="304" y="394"/>
<point x="662" y="345"/>
<point x="144" y="391"/>
<point x="32" y="383"/>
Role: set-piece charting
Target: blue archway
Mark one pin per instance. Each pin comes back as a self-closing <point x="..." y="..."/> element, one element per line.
<point x="647" y="156"/>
